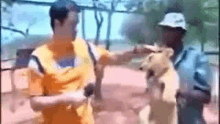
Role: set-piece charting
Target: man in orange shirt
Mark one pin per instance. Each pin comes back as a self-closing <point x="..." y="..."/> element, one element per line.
<point x="59" y="70"/>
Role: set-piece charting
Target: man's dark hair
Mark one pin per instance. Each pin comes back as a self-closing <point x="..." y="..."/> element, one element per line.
<point x="59" y="10"/>
<point x="174" y="8"/>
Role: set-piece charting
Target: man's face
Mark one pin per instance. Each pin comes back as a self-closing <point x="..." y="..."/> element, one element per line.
<point x="70" y="24"/>
<point x="170" y="36"/>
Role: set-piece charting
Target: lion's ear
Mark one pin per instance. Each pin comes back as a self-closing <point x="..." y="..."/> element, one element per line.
<point x="156" y="45"/>
<point x="168" y="52"/>
<point x="162" y="84"/>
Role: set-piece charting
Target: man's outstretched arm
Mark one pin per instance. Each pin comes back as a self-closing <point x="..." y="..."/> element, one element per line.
<point x="120" y="58"/>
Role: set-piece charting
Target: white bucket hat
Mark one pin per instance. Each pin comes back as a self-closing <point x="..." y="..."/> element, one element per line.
<point x="174" y="20"/>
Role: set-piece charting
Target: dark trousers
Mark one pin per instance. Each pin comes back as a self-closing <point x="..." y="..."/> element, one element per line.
<point x="189" y="113"/>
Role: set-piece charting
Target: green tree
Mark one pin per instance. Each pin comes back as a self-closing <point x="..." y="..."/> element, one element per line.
<point x="201" y="17"/>
<point x="145" y="30"/>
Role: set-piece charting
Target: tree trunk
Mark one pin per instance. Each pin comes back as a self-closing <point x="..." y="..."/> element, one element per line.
<point x="98" y="92"/>
<point x="203" y="39"/>
<point x="99" y="73"/>
<point x="98" y="23"/>
<point x="97" y="35"/>
<point x="13" y="92"/>
<point x="98" y="68"/>
<point x="108" y="31"/>
<point x="203" y="35"/>
<point x="202" y="46"/>
<point x="98" y="27"/>
<point x="27" y="33"/>
<point x="83" y="25"/>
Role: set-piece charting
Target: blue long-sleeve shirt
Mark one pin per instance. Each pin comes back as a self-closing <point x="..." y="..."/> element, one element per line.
<point x="195" y="80"/>
<point x="194" y="72"/>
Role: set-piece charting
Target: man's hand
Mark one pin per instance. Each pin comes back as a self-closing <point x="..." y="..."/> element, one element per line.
<point x="80" y="96"/>
<point x="194" y="96"/>
<point x="199" y="96"/>
<point x="118" y="59"/>
<point x="178" y="94"/>
<point x="181" y="101"/>
<point x="76" y="98"/>
<point x="146" y="49"/>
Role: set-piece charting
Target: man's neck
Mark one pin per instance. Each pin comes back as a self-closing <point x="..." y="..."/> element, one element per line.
<point x="61" y="47"/>
<point x="61" y="43"/>
<point x="177" y="47"/>
<point x="61" y="39"/>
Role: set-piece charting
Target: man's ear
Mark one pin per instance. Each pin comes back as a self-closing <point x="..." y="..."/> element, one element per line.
<point x="168" y="52"/>
<point x="57" y="23"/>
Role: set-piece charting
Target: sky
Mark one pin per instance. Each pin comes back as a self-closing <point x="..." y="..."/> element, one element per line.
<point x="24" y="14"/>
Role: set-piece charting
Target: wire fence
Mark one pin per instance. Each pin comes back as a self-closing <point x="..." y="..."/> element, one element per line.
<point x="27" y="59"/>
<point x="22" y="62"/>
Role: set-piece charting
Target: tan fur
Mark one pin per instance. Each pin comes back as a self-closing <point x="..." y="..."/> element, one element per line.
<point x="162" y="108"/>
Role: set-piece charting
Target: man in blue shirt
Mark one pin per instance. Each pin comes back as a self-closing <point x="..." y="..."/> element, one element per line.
<point x="192" y="67"/>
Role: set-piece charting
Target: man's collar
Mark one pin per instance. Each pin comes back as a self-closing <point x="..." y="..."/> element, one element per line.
<point x="180" y="55"/>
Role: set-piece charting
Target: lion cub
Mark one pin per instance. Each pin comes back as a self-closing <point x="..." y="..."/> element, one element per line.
<point x="162" y="84"/>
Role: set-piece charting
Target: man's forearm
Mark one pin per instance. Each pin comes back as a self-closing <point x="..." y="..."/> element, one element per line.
<point x="125" y="57"/>
<point x="117" y="59"/>
<point x="197" y="95"/>
<point x="39" y="103"/>
<point x="120" y="58"/>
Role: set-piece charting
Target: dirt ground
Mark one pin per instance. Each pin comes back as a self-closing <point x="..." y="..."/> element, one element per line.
<point x="123" y="97"/>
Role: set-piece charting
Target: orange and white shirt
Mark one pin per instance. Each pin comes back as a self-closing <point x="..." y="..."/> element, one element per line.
<point x="60" y="68"/>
